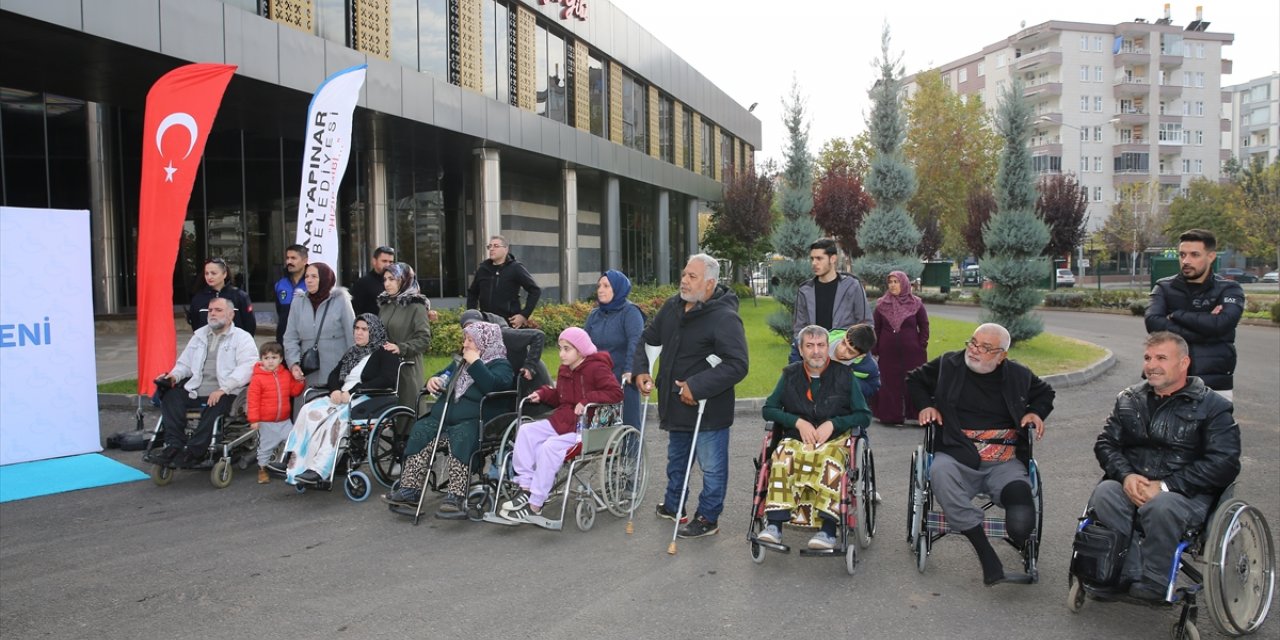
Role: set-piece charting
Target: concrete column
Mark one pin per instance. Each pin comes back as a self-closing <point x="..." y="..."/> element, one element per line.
<point x="691" y="238"/>
<point x="612" y="224"/>
<point x="569" y="236"/>
<point x="378" y="215"/>
<point x="103" y="217"/>
<point x="489" y="196"/>
<point x="663" y="265"/>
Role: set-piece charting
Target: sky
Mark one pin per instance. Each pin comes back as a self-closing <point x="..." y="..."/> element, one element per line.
<point x="752" y="48"/>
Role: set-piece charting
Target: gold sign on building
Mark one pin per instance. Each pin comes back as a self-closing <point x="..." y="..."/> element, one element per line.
<point x="299" y="14"/>
<point x="371" y="27"/>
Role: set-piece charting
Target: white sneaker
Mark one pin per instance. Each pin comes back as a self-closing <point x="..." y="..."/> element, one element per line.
<point x="771" y="534"/>
<point x="822" y="541"/>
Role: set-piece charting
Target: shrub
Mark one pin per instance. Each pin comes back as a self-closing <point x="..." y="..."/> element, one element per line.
<point x="742" y="291"/>
<point x="1070" y="300"/>
<point x="934" y="298"/>
<point x="1138" y="306"/>
<point x="1275" y="312"/>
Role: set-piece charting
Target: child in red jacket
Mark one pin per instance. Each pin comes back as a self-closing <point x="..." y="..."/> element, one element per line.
<point x="271" y="392"/>
<point x="585" y="376"/>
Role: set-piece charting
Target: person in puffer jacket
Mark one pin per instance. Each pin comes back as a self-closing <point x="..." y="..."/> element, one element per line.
<point x="270" y="403"/>
<point x="585" y="376"/>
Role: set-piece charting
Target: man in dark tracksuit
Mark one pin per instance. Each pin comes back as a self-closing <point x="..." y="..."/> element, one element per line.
<point x="704" y="354"/>
<point x="295" y="262"/>
<point x="496" y="286"/>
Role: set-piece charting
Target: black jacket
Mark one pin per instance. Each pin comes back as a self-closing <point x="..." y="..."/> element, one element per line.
<point x="496" y="288"/>
<point x="239" y="299"/>
<point x="687" y="338"/>
<point x="939" y="382"/>
<point x="1186" y="309"/>
<point x="379" y="373"/>
<point x="365" y="291"/>
<point x="1192" y="443"/>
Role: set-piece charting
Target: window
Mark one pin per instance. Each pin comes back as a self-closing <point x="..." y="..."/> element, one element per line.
<point x="1132" y="163"/>
<point x="1084" y="43"/>
<point x="708" y="159"/>
<point x="726" y="155"/>
<point x="1199" y="166"/>
<point x="1084" y="103"/>
<point x="666" y="129"/>
<point x="1001" y="60"/>
<point x="1097" y="194"/>
<point x="982" y="68"/>
<point x="964" y="75"/>
<point x="1199" y="79"/>
<point x="1097" y="43"/>
<point x="433" y="38"/>
<point x="331" y="20"/>
<point x="1199" y="138"/>
<point x="1186" y="165"/>
<point x="539" y="66"/>
<point x="1200" y="50"/>
<point x="635" y="114"/>
<point x="1199" y="107"/>
<point x="1097" y="104"/>
<point x="556" y="83"/>
<point x="404" y="32"/>
<point x="1046" y="164"/>
<point x="598" y="92"/>
<point x="1097" y="134"/>
<point x="1084" y="134"/>
<point x="1097" y="74"/>
<point x="1186" y="78"/>
<point x="1084" y="164"/>
<point x="1186" y="136"/>
<point x="1084" y="73"/>
<point x="494" y="62"/>
<point x="686" y="134"/>
<point x="946" y="80"/>
<point x="1097" y="164"/>
<point x="1170" y="133"/>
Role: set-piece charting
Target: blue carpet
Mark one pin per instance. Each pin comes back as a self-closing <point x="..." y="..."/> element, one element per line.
<point x="44" y="477"/>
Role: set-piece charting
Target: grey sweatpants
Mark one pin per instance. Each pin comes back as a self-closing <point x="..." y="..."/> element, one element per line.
<point x="270" y="436"/>
<point x="955" y="485"/>
<point x="1162" y="521"/>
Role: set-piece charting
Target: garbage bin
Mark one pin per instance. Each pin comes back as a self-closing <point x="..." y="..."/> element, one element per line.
<point x="937" y="274"/>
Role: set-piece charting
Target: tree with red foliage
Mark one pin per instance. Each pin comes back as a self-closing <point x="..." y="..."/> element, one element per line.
<point x="1063" y="206"/>
<point x="741" y="221"/>
<point x="981" y="204"/>
<point x="840" y="204"/>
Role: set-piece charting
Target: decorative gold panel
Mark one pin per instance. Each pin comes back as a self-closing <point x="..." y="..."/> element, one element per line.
<point x="737" y="150"/>
<point x="697" y="142"/>
<point x="526" y="57"/>
<point x="655" y="145"/>
<point x="371" y="29"/>
<point x="677" y="124"/>
<point x="299" y="14"/>
<point x="581" y="87"/>
<point x="718" y="163"/>
<point x="748" y="158"/>
<point x="470" y="30"/>
<point x="615" y="102"/>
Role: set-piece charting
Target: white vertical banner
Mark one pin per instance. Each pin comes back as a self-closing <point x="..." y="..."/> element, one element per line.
<point x="48" y="384"/>
<point x="326" y="149"/>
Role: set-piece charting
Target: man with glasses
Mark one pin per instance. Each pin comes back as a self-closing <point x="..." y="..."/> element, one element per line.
<point x="496" y="286"/>
<point x="979" y="400"/>
<point x="364" y="294"/>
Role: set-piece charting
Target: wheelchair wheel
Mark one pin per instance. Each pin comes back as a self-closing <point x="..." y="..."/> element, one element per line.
<point x="161" y="474"/>
<point x="585" y="514"/>
<point x="1037" y="492"/>
<point x="911" y="501"/>
<point x="300" y="488"/>
<point x="220" y="474"/>
<point x="1240" y="567"/>
<point x="357" y="486"/>
<point x="865" y="492"/>
<point x="1184" y="631"/>
<point x="757" y="551"/>
<point x="480" y="499"/>
<point x="851" y="559"/>
<point x="626" y="474"/>
<point x="922" y="551"/>
<point x="1075" y="595"/>
<point x="385" y="449"/>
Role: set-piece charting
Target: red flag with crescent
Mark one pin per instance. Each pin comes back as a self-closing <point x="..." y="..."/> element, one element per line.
<point x="181" y="107"/>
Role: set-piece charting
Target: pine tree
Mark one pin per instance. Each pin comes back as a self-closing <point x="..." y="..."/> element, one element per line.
<point x="888" y="236"/>
<point x="797" y="230"/>
<point x="1015" y="236"/>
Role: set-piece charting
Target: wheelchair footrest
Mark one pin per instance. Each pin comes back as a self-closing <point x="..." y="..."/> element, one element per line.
<point x="994" y="527"/>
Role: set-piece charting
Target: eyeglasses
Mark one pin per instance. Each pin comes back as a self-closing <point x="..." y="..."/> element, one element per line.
<point x="494" y="246"/>
<point x="981" y="348"/>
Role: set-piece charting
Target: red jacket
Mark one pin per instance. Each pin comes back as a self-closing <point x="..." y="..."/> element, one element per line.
<point x="270" y="394"/>
<point x="592" y="381"/>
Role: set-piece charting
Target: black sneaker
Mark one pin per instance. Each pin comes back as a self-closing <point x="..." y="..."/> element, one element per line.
<point x="277" y="468"/>
<point x="698" y="528"/>
<point x="663" y="513"/>
<point x="1147" y="592"/>
<point x="166" y="455"/>
<point x="403" y="496"/>
<point x="310" y="476"/>
<point x="452" y="508"/>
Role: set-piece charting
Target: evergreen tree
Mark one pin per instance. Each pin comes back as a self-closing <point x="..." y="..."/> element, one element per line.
<point x="797" y="230"/>
<point x="1015" y="236"/>
<point x="888" y="236"/>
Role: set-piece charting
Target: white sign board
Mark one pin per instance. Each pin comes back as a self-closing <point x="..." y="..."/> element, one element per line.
<point x="48" y="384"/>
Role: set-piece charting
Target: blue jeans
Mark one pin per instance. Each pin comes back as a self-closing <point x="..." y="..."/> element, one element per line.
<point x="631" y="406"/>
<point x="712" y="452"/>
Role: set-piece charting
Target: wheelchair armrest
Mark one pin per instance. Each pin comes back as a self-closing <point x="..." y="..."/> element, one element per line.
<point x="375" y="392"/>
<point x="495" y="395"/>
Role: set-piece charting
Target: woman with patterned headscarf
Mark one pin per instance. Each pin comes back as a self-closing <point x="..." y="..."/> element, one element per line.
<point x="311" y="450"/>
<point x="324" y="321"/>
<point x="902" y="344"/>
<point x="484" y="369"/>
<point x="403" y="310"/>
<point x="615" y="326"/>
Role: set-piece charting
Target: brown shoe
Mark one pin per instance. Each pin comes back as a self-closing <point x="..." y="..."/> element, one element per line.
<point x="263" y="478"/>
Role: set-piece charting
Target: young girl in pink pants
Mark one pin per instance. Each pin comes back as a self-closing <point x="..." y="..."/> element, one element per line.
<point x="585" y="376"/>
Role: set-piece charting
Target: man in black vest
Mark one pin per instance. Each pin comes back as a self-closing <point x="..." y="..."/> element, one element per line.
<point x="816" y="403"/>
<point x="979" y="399"/>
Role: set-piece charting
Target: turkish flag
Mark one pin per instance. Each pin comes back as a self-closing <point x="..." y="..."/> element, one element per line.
<point x="181" y="107"/>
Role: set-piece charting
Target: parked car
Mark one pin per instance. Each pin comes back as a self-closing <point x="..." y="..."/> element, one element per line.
<point x="972" y="276"/>
<point x="1066" y="278"/>
<point x="1271" y="276"/>
<point x="1239" y="275"/>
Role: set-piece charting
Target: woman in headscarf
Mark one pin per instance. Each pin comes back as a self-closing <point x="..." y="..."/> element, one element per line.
<point x="311" y="450"/>
<point x="323" y="321"/>
<point x="615" y="326"/>
<point x="217" y="284"/>
<point x="902" y="344"/>
<point x="403" y="310"/>
<point x="484" y="369"/>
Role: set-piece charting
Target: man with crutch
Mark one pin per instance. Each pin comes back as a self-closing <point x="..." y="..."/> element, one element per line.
<point x="704" y="354"/>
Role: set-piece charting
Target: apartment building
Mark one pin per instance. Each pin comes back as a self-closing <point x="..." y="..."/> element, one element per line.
<point x="1253" y="109"/>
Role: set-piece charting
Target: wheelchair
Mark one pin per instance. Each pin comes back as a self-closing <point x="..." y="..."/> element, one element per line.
<point x="857" y="501"/>
<point x="231" y="443"/>
<point x="927" y="524"/>
<point x="605" y="470"/>
<point x="369" y="438"/>
<point x="1228" y="564"/>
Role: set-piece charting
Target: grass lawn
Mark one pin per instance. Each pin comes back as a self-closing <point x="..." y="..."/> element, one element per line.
<point x="1046" y="354"/>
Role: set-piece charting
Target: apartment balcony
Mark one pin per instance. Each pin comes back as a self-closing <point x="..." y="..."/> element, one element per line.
<point x="1226" y="67"/>
<point x="1170" y="147"/>
<point x="1170" y="90"/>
<point x="1224" y="155"/>
<point x="1039" y="59"/>
<point x="1225" y="125"/>
<point x="1050" y="118"/>
<point x="1136" y="145"/>
<point x="1131" y="176"/>
<point x="1170" y="60"/>
<point x="1171" y="177"/>
<point x="1170" y="118"/>
<point x="1133" y="29"/>
<point x="1136" y="86"/>
<point x="1132" y="116"/>
<point x="1253" y="127"/>
<point x="1042" y="90"/>
<point x="1136" y="55"/>
<point x="1052" y="148"/>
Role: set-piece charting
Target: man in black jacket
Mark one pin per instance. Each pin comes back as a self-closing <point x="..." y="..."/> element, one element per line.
<point x="704" y="354"/>
<point x="365" y="292"/>
<point x="980" y="400"/>
<point x="496" y="286"/>
<point x="1169" y="448"/>
<point x="1202" y="307"/>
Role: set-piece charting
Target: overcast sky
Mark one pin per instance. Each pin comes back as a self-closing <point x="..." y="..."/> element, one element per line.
<point x="751" y="48"/>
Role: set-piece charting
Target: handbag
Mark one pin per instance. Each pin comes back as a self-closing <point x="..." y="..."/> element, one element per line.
<point x="310" y="360"/>
<point x="1098" y="554"/>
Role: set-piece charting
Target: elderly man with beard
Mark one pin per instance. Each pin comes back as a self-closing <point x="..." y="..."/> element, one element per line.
<point x="979" y="399"/>
<point x="216" y="366"/>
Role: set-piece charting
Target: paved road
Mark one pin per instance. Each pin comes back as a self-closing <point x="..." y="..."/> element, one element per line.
<point x="187" y="560"/>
